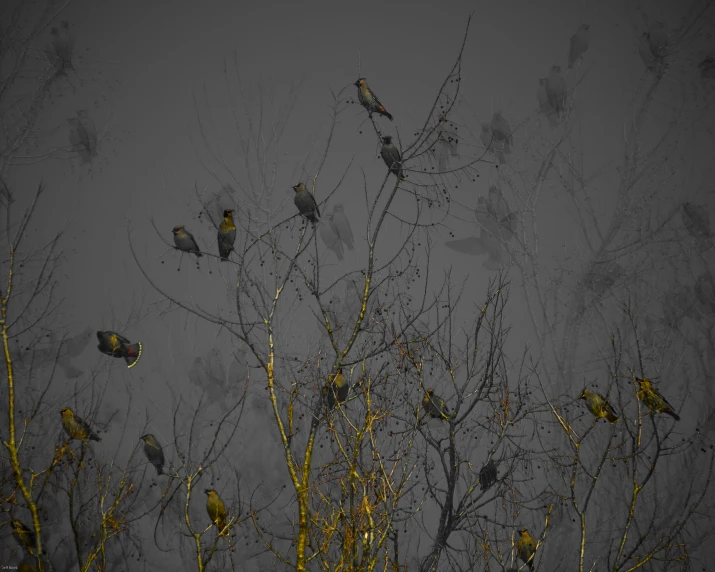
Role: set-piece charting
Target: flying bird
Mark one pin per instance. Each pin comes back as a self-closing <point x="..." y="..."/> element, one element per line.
<point x="435" y="406"/>
<point x="653" y="400"/>
<point x="76" y="427"/>
<point x="216" y="511"/>
<point x="305" y="201"/>
<point x="336" y="390"/>
<point x="226" y="235"/>
<point x="154" y="453"/>
<point x="598" y="405"/>
<point x="392" y="158"/>
<point x="62" y="356"/>
<point x="185" y="241"/>
<point x="342" y="226"/>
<point x="478" y="245"/>
<point x="114" y="345"/>
<point x="526" y="548"/>
<point x="488" y="475"/>
<point x="556" y="89"/>
<point x="579" y="45"/>
<point x="330" y="236"/>
<point x="369" y="100"/>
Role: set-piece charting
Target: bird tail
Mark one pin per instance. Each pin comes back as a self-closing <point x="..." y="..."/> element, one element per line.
<point x="385" y="113"/>
<point x="94" y="437"/>
<point x="673" y="414"/>
<point x="132" y="354"/>
<point x="611" y="417"/>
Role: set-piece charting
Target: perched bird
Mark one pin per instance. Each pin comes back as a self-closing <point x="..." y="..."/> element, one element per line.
<point x="63" y="47"/>
<point x="305" y="201"/>
<point x="392" y="158"/>
<point x="696" y="220"/>
<point x="435" y="406"/>
<point x="76" y="427"/>
<point x="330" y="236"/>
<point x="87" y="131"/>
<point x="185" y="241"/>
<point x="598" y="405"/>
<point x="704" y="290"/>
<point x="655" y="402"/>
<point x="556" y="89"/>
<point x="24" y="536"/>
<point x="368" y="99"/>
<point x="488" y="475"/>
<point x="707" y="68"/>
<point x="154" y="452"/>
<point x="657" y="40"/>
<point x="544" y="104"/>
<point x="336" y="390"/>
<point x="342" y="226"/>
<point x="216" y="511"/>
<point x="80" y="140"/>
<point x="526" y="547"/>
<point x="653" y="63"/>
<point x="502" y="131"/>
<point x="579" y="45"/>
<point x="226" y="235"/>
<point x="114" y="345"/>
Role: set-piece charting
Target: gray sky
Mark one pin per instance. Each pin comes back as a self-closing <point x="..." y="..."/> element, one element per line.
<point x="141" y="66"/>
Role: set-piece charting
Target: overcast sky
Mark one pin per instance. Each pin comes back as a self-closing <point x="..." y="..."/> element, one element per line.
<point x="141" y="66"/>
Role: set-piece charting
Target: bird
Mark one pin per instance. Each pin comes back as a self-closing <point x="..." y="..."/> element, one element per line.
<point x="598" y="405"/>
<point x="502" y="131"/>
<point x="368" y="99"/>
<point x="87" y="131"/>
<point x="707" y="68"/>
<point x="153" y="452"/>
<point x="544" y="104"/>
<point x="652" y="62"/>
<point x="24" y="536"/>
<point x="63" y="46"/>
<point x="435" y="406"/>
<point x="392" y="158"/>
<point x="657" y="40"/>
<point x="579" y="45"/>
<point x="226" y="235"/>
<point x="305" y="201"/>
<point x="556" y="89"/>
<point x="652" y="399"/>
<point x="216" y="511"/>
<point x="336" y="390"/>
<point x="330" y="236"/>
<point x="526" y="547"/>
<point x="76" y="427"/>
<point x="488" y="475"/>
<point x="342" y="226"/>
<point x="478" y="245"/>
<point x="696" y="220"/>
<point x="70" y="348"/>
<point x="185" y="241"/>
<point x="114" y="345"/>
<point x="78" y="141"/>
